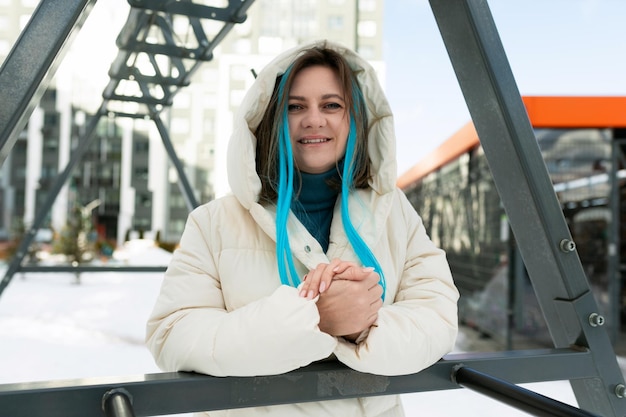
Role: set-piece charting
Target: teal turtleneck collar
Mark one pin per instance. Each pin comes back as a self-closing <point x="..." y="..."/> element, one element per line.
<point x="314" y="202"/>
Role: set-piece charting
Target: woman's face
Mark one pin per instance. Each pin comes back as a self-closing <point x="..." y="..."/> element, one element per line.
<point x="318" y="120"/>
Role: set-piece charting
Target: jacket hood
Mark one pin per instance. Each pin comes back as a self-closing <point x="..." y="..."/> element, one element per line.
<point x="242" y="176"/>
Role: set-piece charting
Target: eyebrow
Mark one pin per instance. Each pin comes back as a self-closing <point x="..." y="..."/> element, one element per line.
<point x="324" y="97"/>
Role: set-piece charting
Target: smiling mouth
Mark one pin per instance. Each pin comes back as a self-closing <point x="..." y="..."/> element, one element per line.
<point x="313" y="140"/>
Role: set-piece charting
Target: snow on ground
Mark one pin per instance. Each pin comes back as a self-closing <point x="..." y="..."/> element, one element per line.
<point x="54" y="329"/>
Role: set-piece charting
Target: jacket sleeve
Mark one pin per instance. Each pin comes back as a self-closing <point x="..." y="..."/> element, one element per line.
<point x="421" y="324"/>
<point x="190" y="329"/>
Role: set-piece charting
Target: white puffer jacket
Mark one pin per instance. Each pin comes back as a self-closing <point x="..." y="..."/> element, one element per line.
<point x="223" y="311"/>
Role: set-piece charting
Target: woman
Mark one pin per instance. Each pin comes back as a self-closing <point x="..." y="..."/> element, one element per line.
<point x="316" y="254"/>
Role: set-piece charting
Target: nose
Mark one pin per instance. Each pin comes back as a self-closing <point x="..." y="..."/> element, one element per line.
<point x="313" y="118"/>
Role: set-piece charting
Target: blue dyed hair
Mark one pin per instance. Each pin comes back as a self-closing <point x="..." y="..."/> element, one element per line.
<point x="286" y="267"/>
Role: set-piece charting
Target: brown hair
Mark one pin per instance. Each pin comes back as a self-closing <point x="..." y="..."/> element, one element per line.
<point x="267" y="131"/>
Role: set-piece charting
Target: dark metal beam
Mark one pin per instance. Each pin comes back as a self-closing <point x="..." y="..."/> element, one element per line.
<point x="614" y="260"/>
<point x="514" y="396"/>
<point x="189" y="8"/>
<point x="27" y="70"/>
<point x="173" y="393"/>
<point x="91" y="268"/>
<point x="183" y="183"/>
<point x="522" y="180"/>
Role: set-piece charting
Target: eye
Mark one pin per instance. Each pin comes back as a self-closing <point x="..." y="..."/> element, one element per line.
<point x="293" y="107"/>
<point x="333" y="106"/>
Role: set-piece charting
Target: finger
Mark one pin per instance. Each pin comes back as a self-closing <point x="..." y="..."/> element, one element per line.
<point x="374" y="309"/>
<point x="372" y="319"/>
<point x="342" y="266"/>
<point x="355" y="273"/>
<point x="328" y="274"/>
<point x="318" y="279"/>
<point x="376" y="291"/>
<point x="372" y="279"/>
<point x="310" y="286"/>
<point x="377" y="304"/>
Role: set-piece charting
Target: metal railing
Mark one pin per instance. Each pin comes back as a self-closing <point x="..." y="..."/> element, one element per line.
<point x="182" y="392"/>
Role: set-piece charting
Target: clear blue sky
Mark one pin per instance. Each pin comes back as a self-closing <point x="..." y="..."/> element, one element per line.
<point x="554" y="47"/>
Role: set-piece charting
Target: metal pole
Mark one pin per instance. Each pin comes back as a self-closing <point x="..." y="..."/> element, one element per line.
<point x="521" y="178"/>
<point x="511" y="294"/>
<point x="515" y="396"/>
<point x="27" y="70"/>
<point x="183" y="183"/>
<point x="614" y="244"/>
<point x="117" y="403"/>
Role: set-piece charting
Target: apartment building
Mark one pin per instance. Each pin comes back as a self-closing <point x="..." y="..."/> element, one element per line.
<point x="126" y="168"/>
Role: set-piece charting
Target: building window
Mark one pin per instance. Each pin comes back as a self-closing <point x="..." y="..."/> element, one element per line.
<point x="144" y="200"/>
<point x="303" y="23"/>
<point x="180" y="125"/>
<point x="209" y="125"/>
<point x="239" y="72"/>
<point x="177" y="201"/>
<point x="115" y="148"/>
<point x="141" y="173"/>
<point x="335" y="22"/>
<point x="242" y="46"/>
<point x="47" y="171"/>
<point x="142" y="224"/>
<point x="269" y="26"/>
<point x="50" y="145"/>
<point x="367" y="29"/>
<point x="51" y="119"/>
<point x="182" y="100"/>
<point x="142" y="146"/>
<point x="367" y="5"/>
<point x="176" y="227"/>
<point x="209" y="79"/>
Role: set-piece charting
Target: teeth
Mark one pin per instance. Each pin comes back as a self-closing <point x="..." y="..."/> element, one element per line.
<point x="312" y="140"/>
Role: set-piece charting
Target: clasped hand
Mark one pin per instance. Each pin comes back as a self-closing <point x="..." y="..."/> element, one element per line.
<point x="349" y="297"/>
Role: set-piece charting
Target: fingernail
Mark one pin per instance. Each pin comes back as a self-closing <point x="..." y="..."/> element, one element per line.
<point x="368" y="269"/>
<point x="336" y="268"/>
<point x="303" y="293"/>
<point x="322" y="286"/>
<point x="310" y="294"/>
